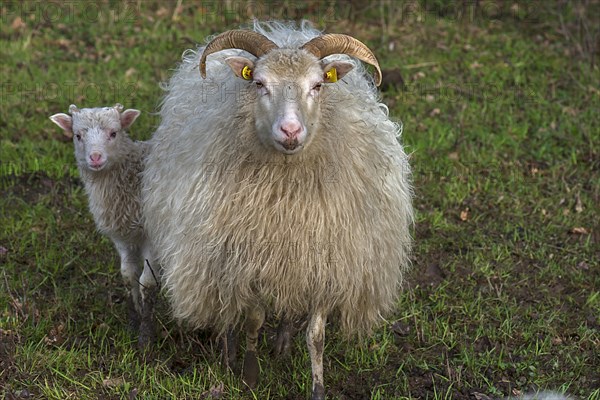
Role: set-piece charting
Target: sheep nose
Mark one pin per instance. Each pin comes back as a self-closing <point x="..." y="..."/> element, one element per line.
<point x="95" y="157"/>
<point x="291" y="129"/>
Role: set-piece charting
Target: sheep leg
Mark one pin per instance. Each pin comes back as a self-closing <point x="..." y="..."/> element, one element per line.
<point x="315" y="339"/>
<point x="230" y="347"/>
<point x="148" y="286"/>
<point x="130" y="271"/>
<point x="283" y="340"/>
<point x="254" y="321"/>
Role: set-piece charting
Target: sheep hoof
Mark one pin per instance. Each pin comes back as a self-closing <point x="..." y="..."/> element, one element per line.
<point x="147" y="333"/>
<point x="318" y="392"/>
<point x="251" y="369"/>
<point x="147" y="336"/>
<point x="230" y="345"/>
<point x="133" y="318"/>
<point x="283" y="341"/>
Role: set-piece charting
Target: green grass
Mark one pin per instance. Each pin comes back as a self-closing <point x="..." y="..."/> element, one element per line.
<point x="500" y="113"/>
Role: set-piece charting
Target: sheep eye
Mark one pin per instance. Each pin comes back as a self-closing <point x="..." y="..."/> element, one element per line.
<point x="259" y="84"/>
<point x="78" y="136"/>
<point x="113" y="135"/>
<point x="317" y="87"/>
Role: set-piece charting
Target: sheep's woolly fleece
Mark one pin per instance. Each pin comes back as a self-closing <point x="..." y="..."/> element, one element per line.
<point x="235" y="225"/>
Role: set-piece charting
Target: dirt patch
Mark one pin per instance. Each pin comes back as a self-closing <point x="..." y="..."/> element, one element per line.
<point x="31" y="187"/>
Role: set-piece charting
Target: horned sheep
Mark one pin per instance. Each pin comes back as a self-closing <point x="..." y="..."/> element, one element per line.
<point x="110" y="164"/>
<point x="276" y="182"/>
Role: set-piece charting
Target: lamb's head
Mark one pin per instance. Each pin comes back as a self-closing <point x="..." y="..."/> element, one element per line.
<point x="288" y="81"/>
<point x="98" y="134"/>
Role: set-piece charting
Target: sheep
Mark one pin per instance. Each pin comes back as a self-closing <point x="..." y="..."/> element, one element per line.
<point x="109" y="164"/>
<point x="276" y="182"/>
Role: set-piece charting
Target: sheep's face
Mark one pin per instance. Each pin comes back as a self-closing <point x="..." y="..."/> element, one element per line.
<point x="288" y="85"/>
<point x="98" y="134"/>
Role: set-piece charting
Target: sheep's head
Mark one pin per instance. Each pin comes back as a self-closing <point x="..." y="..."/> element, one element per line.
<point x="98" y="133"/>
<point x="288" y="81"/>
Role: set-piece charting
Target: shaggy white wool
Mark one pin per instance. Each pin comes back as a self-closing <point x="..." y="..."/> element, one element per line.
<point x="235" y="224"/>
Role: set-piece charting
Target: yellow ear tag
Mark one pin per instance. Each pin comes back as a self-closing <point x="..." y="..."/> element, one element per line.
<point x="246" y="73"/>
<point x="331" y="75"/>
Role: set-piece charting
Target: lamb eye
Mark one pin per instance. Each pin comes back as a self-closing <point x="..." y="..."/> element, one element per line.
<point x="78" y="136"/>
<point x="317" y="87"/>
<point x="113" y="135"/>
<point x="259" y="84"/>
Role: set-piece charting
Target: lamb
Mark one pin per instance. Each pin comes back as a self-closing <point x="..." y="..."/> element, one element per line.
<point x="110" y="163"/>
<point x="276" y="182"/>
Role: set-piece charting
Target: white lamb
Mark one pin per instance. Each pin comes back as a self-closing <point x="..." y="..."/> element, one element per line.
<point x="110" y="164"/>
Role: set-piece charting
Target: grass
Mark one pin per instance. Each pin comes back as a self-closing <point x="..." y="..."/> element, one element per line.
<point x="499" y="110"/>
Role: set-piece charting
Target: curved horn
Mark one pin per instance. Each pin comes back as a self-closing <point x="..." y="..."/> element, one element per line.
<point x="332" y="43"/>
<point x="253" y="42"/>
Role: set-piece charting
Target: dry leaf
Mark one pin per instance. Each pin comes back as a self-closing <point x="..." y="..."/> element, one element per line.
<point x="18" y="24"/>
<point x="475" y="65"/>
<point x="112" y="382"/>
<point x="162" y="12"/>
<point x="464" y="214"/>
<point x="556" y="340"/>
<point x="578" y="204"/>
<point x="453" y="156"/>
<point x="130" y="72"/>
<point x="579" y="230"/>
<point x="434" y="112"/>
<point x="583" y="265"/>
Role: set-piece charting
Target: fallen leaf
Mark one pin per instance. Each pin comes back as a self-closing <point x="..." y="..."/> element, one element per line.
<point x="556" y="341"/>
<point x="481" y="396"/>
<point x="162" y="12"/>
<point x="18" y="24"/>
<point x="570" y="111"/>
<point x="113" y="382"/>
<point x="453" y="156"/>
<point x="418" y="75"/>
<point x="583" y="265"/>
<point x="434" y="112"/>
<point x="3" y="250"/>
<point x="215" y="392"/>
<point x="130" y="72"/>
<point x="578" y="204"/>
<point x="475" y="65"/>
<point x="579" y="230"/>
<point x="464" y="214"/>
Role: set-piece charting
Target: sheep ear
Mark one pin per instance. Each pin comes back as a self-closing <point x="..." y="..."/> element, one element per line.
<point x="336" y="70"/>
<point x="64" y="121"/>
<point x="241" y="67"/>
<point x="128" y="117"/>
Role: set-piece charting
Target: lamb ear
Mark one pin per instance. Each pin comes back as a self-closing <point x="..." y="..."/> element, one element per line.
<point x="64" y="121"/>
<point x="336" y="70"/>
<point x="241" y="67"/>
<point x="128" y="117"/>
